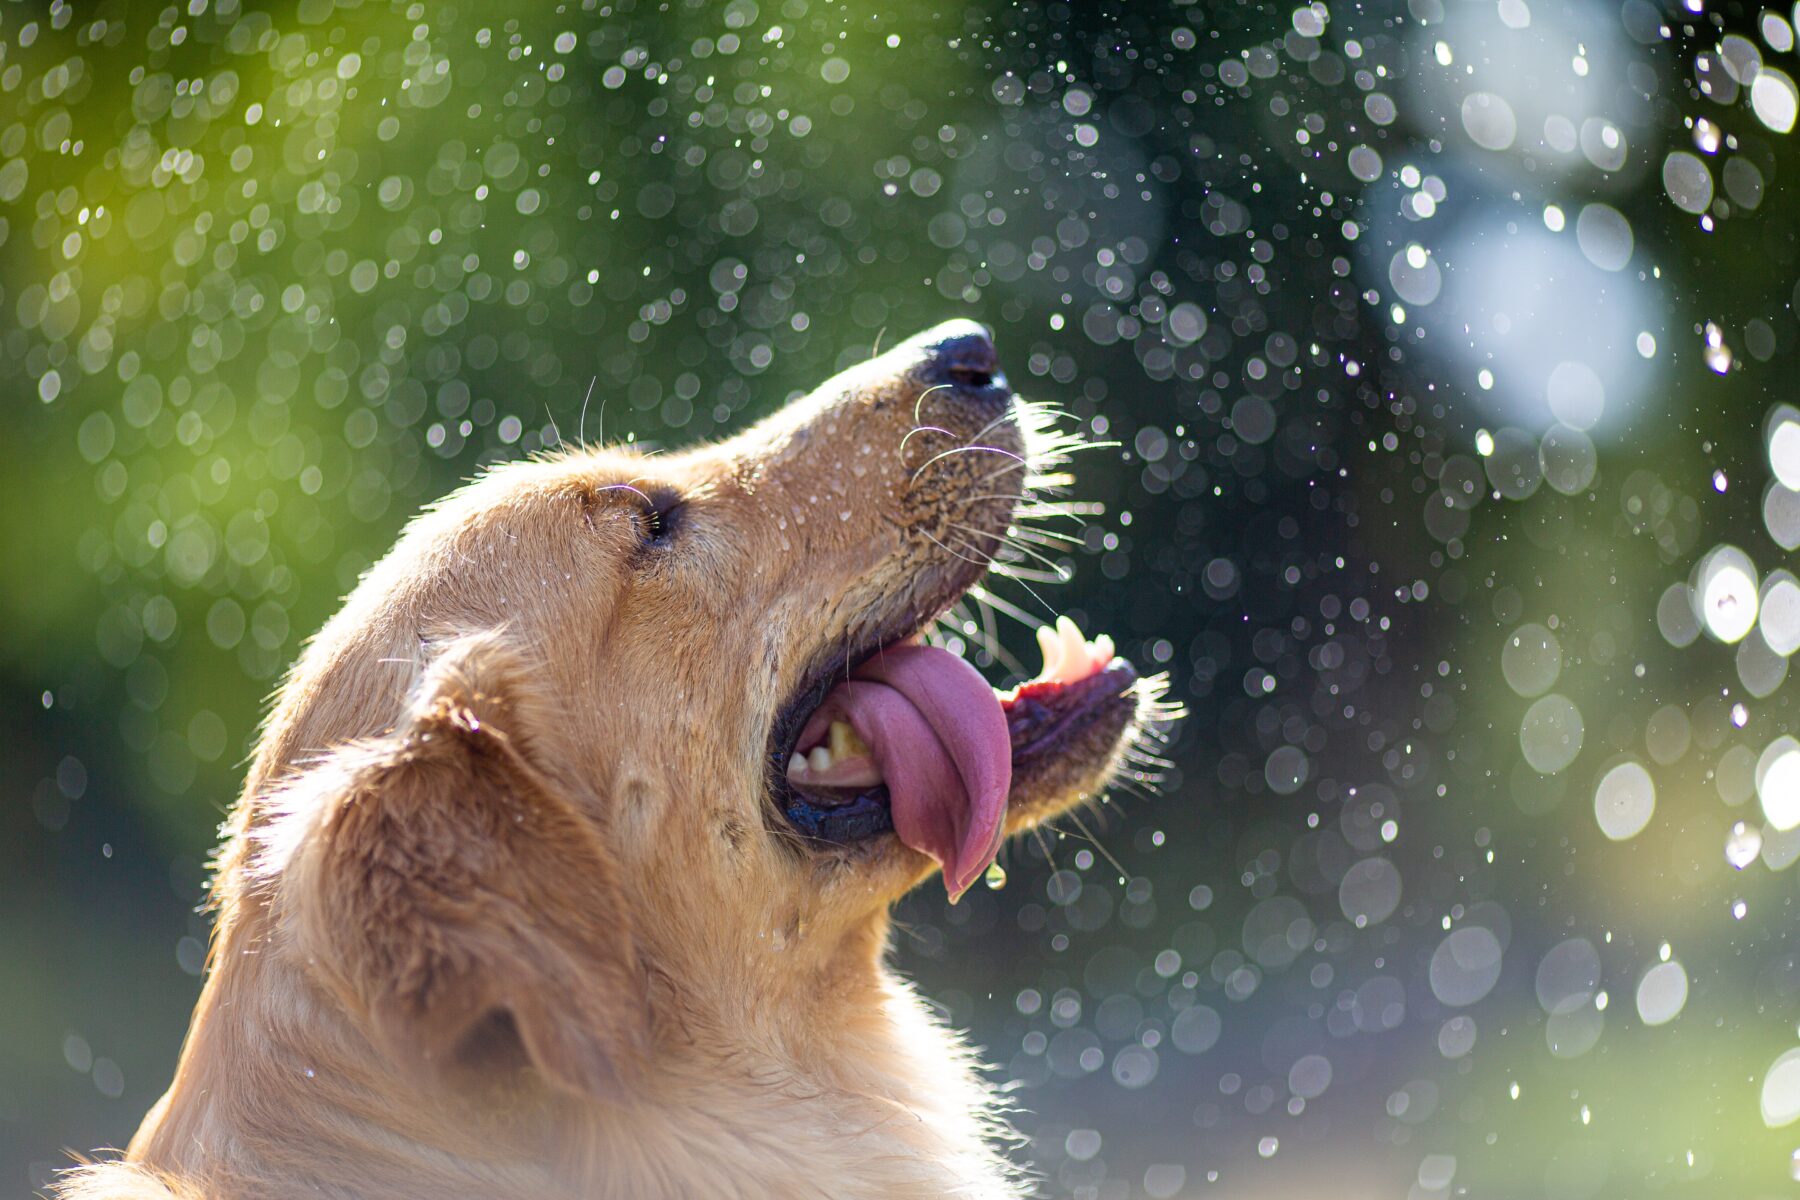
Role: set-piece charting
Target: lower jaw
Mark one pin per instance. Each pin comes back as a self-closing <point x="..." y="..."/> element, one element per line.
<point x="865" y="816"/>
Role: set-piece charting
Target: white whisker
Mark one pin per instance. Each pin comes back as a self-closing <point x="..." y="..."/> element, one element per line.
<point x="581" y="425"/>
<point x="1021" y="461"/>
<point x="1012" y="570"/>
<point x="1014" y="576"/>
<point x="1104" y="852"/>
<point x="980" y="562"/>
<point x="923" y="429"/>
<point x="1006" y="607"/>
<point x="1008" y="541"/>
<point x="1005" y="415"/>
<point x="992" y="634"/>
<point x="939" y="387"/>
<point x="1043" y="537"/>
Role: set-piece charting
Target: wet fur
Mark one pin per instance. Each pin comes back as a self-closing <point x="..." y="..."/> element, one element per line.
<point x="504" y="909"/>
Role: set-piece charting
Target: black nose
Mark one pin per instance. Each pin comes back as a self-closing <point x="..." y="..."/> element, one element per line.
<point x="961" y="354"/>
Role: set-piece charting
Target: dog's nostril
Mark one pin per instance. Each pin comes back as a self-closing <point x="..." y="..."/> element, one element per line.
<point x="971" y="377"/>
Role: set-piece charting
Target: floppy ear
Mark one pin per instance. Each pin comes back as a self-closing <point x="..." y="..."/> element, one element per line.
<point x="459" y="901"/>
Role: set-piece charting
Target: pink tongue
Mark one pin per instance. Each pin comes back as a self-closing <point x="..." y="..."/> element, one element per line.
<point x="936" y="730"/>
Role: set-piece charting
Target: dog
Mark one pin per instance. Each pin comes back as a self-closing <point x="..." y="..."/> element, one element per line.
<point x="564" y="864"/>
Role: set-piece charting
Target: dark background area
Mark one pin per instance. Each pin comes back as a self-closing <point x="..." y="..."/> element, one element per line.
<point x="1428" y="333"/>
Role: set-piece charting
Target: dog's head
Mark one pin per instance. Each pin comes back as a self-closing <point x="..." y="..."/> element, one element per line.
<point x="612" y="721"/>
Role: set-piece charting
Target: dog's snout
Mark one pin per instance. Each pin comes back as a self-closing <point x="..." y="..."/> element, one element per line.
<point x="961" y="354"/>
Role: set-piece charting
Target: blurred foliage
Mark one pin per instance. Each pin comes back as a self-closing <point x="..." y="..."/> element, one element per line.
<point x="272" y="276"/>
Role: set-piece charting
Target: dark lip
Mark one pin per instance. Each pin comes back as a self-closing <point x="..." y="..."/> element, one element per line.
<point x="790" y="804"/>
<point x="1041" y="715"/>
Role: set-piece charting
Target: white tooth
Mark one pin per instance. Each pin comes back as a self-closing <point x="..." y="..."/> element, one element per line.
<point x="819" y="759"/>
<point x="797" y="765"/>
<point x="1075" y="650"/>
<point x="1051" y="647"/>
<point x="1103" y="650"/>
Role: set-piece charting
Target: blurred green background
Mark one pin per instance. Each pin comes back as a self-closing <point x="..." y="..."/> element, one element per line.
<point x="1444" y="343"/>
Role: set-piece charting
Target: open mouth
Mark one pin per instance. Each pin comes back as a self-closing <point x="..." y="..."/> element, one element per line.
<point x="912" y="741"/>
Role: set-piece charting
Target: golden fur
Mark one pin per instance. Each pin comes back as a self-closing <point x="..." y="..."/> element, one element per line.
<point x="505" y="910"/>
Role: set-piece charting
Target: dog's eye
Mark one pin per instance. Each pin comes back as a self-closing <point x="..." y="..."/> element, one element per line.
<point x="659" y="518"/>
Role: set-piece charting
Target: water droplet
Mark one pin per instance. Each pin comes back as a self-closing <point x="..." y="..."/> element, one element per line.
<point x="1742" y="845"/>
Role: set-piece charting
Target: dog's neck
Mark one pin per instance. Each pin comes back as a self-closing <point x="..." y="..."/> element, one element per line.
<point x="872" y="1089"/>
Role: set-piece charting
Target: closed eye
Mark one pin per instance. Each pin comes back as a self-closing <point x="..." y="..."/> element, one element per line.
<point x="655" y="512"/>
<point x="660" y="517"/>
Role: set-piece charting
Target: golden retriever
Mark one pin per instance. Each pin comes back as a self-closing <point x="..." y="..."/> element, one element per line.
<point x="564" y="865"/>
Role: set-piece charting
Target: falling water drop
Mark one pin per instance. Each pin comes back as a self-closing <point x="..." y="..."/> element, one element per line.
<point x="1743" y="845"/>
